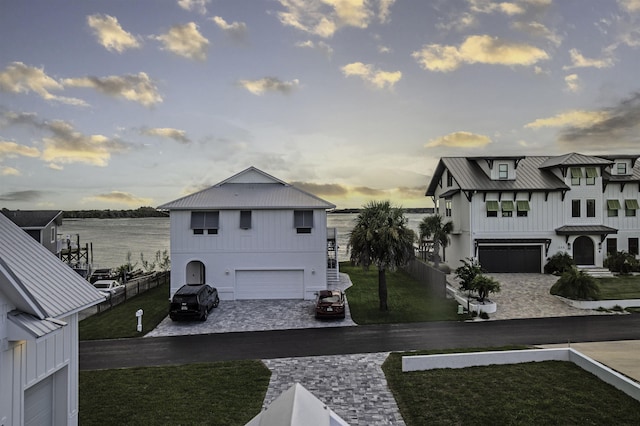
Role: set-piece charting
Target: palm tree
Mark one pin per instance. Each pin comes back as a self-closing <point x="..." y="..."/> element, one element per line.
<point x="432" y="227"/>
<point x="381" y="237"/>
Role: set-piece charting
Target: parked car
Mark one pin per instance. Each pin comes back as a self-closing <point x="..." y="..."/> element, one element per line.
<point x="109" y="288"/>
<point x="193" y="301"/>
<point x="103" y="274"/>
<point x="330" y="304"/>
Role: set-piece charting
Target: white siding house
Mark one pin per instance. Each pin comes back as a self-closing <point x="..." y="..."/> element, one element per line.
<point x="513" y="213"/>
<point x="251" y="236"/>
<point x="40" y="298"/>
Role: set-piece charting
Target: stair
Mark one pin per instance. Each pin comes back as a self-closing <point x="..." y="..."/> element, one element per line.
<point x="597" y="272"/>
<point x="332" y="275"/>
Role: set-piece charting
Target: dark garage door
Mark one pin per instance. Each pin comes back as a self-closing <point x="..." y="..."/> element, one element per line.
<point x="510" y="258"/>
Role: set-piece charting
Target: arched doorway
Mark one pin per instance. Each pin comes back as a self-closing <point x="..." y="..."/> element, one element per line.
<point x="583" y="251"/>
<point x="195" y="272"/>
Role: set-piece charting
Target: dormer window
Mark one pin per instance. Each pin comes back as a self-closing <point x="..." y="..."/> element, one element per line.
<point x="503" y="171"/>
<point x="621" y="168"/>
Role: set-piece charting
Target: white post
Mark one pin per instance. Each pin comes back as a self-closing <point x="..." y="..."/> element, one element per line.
<point x="139" y="313"/>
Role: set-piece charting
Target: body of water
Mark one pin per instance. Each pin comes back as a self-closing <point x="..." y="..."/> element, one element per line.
<point x="112" y="239"/>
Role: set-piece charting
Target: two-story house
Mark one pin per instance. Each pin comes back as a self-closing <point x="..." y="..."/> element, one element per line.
<point x="252" y="236"/>
<point x="512" y="213"/>
<point x="42" y="225"/>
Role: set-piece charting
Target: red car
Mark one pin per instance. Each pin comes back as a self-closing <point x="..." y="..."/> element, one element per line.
<point x="330" y="304"/>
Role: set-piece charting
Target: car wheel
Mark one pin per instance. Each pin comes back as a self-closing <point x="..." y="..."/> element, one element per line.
<point x="216" y="302"/>
<point x="205" y="315"/>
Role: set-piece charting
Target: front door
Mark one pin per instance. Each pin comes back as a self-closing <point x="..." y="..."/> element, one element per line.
<point x="583" y="251"/>
<point x="195" y="272"/>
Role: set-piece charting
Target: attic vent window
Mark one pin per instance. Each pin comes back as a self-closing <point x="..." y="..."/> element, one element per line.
<point x="303" y="221"/>
<point x="205" y="221"/>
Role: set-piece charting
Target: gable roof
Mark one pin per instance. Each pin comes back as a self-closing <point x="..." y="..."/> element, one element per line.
<point x="36" y="281"/>
<point x="249" y="189"/>
<point x="33" y="219"/>
<point x="574" y="159"/>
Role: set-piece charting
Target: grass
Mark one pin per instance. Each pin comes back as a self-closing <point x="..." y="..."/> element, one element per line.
<point x="619" y="287"/>
<point x="223" y="393"/>
<point x="408" y="300"/>
<point x="121" y="322"/>
<point x="550" y="392"/>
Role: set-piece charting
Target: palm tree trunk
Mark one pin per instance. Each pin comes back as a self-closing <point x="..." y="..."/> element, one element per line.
<point x="382" y="289"/>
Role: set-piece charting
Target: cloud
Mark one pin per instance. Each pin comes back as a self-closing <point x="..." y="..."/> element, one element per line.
<point x="166" y="132"/>
<point x="20" y="78"/>
<point x="460" y="140"/>
<point x="579" y="61"/>
<point x="132" y="87"/>
<point x="235" y="30"/>
<point x="320" y="46"/>
<point x="573" y="118"/>
<point x="9" y="171"/>
<point x="21" y="196"/>
<point x="269" y="84"/>
<point x="199" y="6"/>
<point x="370" y="192"/>
<point x="12" y="150"/>
<point x="573" y="83"/>
<point x="489" y="6"/>
<point x="110" y="34"/>
<point x="324" y="17"/>
<point x="631" y="6"/>
<point x="122" y="198"/>
<point x="379" y="79"/>
<point x="185" y="40"/>
<point x="322" y="190"/>
<point x="478" y="49"/>
<point x="537" y="29"/>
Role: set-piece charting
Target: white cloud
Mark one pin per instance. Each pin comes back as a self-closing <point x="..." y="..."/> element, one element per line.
<point x="460" y="140"/>
<point x="573" y="83"/>
<point x="631" y="6"/>
<point x="110" y="34"/>
<point x="121" y="197"/>
<point x="185" y="40"/>
<point x="269" y="84"/>
<point x="198" y="6"/>
<point x="12" y="150"/>
<point x="320" y="46"/>
<point x="9" y="171"/>
<point x="379" y="79"/>
<point x="166" y="132"/>
<point x="235" y="30"/>
<point x="579" y="61"/>
<point x="574" y="118"/>
<point x="133" y="87"/>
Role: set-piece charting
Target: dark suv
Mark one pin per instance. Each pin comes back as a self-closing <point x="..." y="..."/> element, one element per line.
<point x="193" y="301"/>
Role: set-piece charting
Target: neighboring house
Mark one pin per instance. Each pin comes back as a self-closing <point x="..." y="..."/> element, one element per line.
<point x="40" y="298"/>
<point x="252" y="236"/>
<point x="42" y="225"/>
<point x="512" y="213"/>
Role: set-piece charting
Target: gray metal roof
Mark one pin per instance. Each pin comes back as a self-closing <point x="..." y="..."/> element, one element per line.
<point x="249" y="189"/>
<point x="33" y="326"/>
<point x="34" y="219"/>
<point x="575" y="159"/>
<point x="36" y="281"/>
<point x="585" y="229"/>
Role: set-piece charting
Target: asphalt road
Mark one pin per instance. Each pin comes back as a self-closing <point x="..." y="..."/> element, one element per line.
<point x="155" y="351"/>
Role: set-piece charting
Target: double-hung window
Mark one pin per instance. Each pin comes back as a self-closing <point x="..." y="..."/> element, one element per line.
<point x="612" y="208"/>
<point x="303" y="221"/>
<point x="522" y="206"/>
<point x="205" y="222"/>
<point x="447" y="208"/>
<point x="633" y="246"/>
<point x="576" y="175"/>
<point x="492" y="208"/>
<point x="507" y="208"/>
<point x="575" y="208"/>
<point x="591" y="175"/>
<point x="591" y="208"/>
<point x="621" y="168"/>
<point x="503" y="171"/>
<point x="245" y="219"/>
<point x="630" y="207"/>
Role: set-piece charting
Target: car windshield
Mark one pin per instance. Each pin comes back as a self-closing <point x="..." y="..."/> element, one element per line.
<point x="333" y="298"/>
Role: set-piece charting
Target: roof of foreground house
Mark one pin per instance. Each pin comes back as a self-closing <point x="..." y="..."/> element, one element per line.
<point x="36" y="281"/>
<point x="249" y="189"/>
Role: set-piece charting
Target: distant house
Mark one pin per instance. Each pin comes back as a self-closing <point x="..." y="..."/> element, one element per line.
<point x="514" y="212"/>
<point x="40" y="298"/>
<point x="42" y="225"/>
<point x="252" y="236"/>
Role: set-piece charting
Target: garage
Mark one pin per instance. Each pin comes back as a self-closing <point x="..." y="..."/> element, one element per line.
<point x="519" y="259"/>
<point x="270" y="284"/>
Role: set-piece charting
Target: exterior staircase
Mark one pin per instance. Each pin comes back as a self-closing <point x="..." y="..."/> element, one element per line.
<point x="596" y="272"/>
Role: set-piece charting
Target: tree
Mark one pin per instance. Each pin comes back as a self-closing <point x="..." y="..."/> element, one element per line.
<point x="381" y="237"/>
<point x="432" y="227"/>
<point x="577" y="285"/>
<point x="484" y="286"/>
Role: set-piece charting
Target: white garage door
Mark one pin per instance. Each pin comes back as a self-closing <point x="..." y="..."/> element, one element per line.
<point x="281" y="284"/>
<point x="38" y="403"/>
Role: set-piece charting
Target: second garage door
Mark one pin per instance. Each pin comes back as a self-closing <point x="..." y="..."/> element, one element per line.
<point x="502" y="259"/>
<point x="265" y="284"/>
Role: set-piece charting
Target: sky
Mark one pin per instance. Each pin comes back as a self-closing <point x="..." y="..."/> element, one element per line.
<point x="122" y="104"/>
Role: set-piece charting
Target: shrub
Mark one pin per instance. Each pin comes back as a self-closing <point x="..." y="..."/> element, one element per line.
<point x="484" y="285"/>
<point x="621" y="262"/>
<point x="467" y="272"/>
<point x="484" y="315"/>
<point x="577" y="285"/>
<point x="559" y="263"/>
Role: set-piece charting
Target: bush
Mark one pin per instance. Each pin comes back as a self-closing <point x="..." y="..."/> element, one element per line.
<point x="484" y="285"/>
<point x="484" y="315"/>
<point x="621" y="262"/>
<point x="559" y="263"/>
<point x="467" y="272"/>
<point x="577" y="285"/>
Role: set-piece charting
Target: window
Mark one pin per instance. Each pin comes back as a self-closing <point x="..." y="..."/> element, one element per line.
<point x="576" y="175"/>
<point x="507" y="208"/>
<point x="633" y="246"/>
<point x="630" y="207"/>
<point x="591" y="208"/>
<point x="449" y="178"/>
<point x="447" y="208"/>
<point x="612" y="208"/>
<point x="201" y="221"/>
<point x="303" y="221"/>
<point x="621" y="168"/>
<point x="575" y="208"/>
<point x="523" y="208"/>
<point x="503" y="171"/>
<point x="492" y="208"/>
<point x="53" y="234"/>
<point x="612" y="246"/>
<point x="245" y="219"/>
<point x="591" y="173"/>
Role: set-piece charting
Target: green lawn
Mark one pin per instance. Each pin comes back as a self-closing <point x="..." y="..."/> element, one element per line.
<point x="223" y="393"/>
<point x="550" y="392"/>
<point x="408" y="300"/>
<point x="120" y="321"/>
<point x="620" y="287"/>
